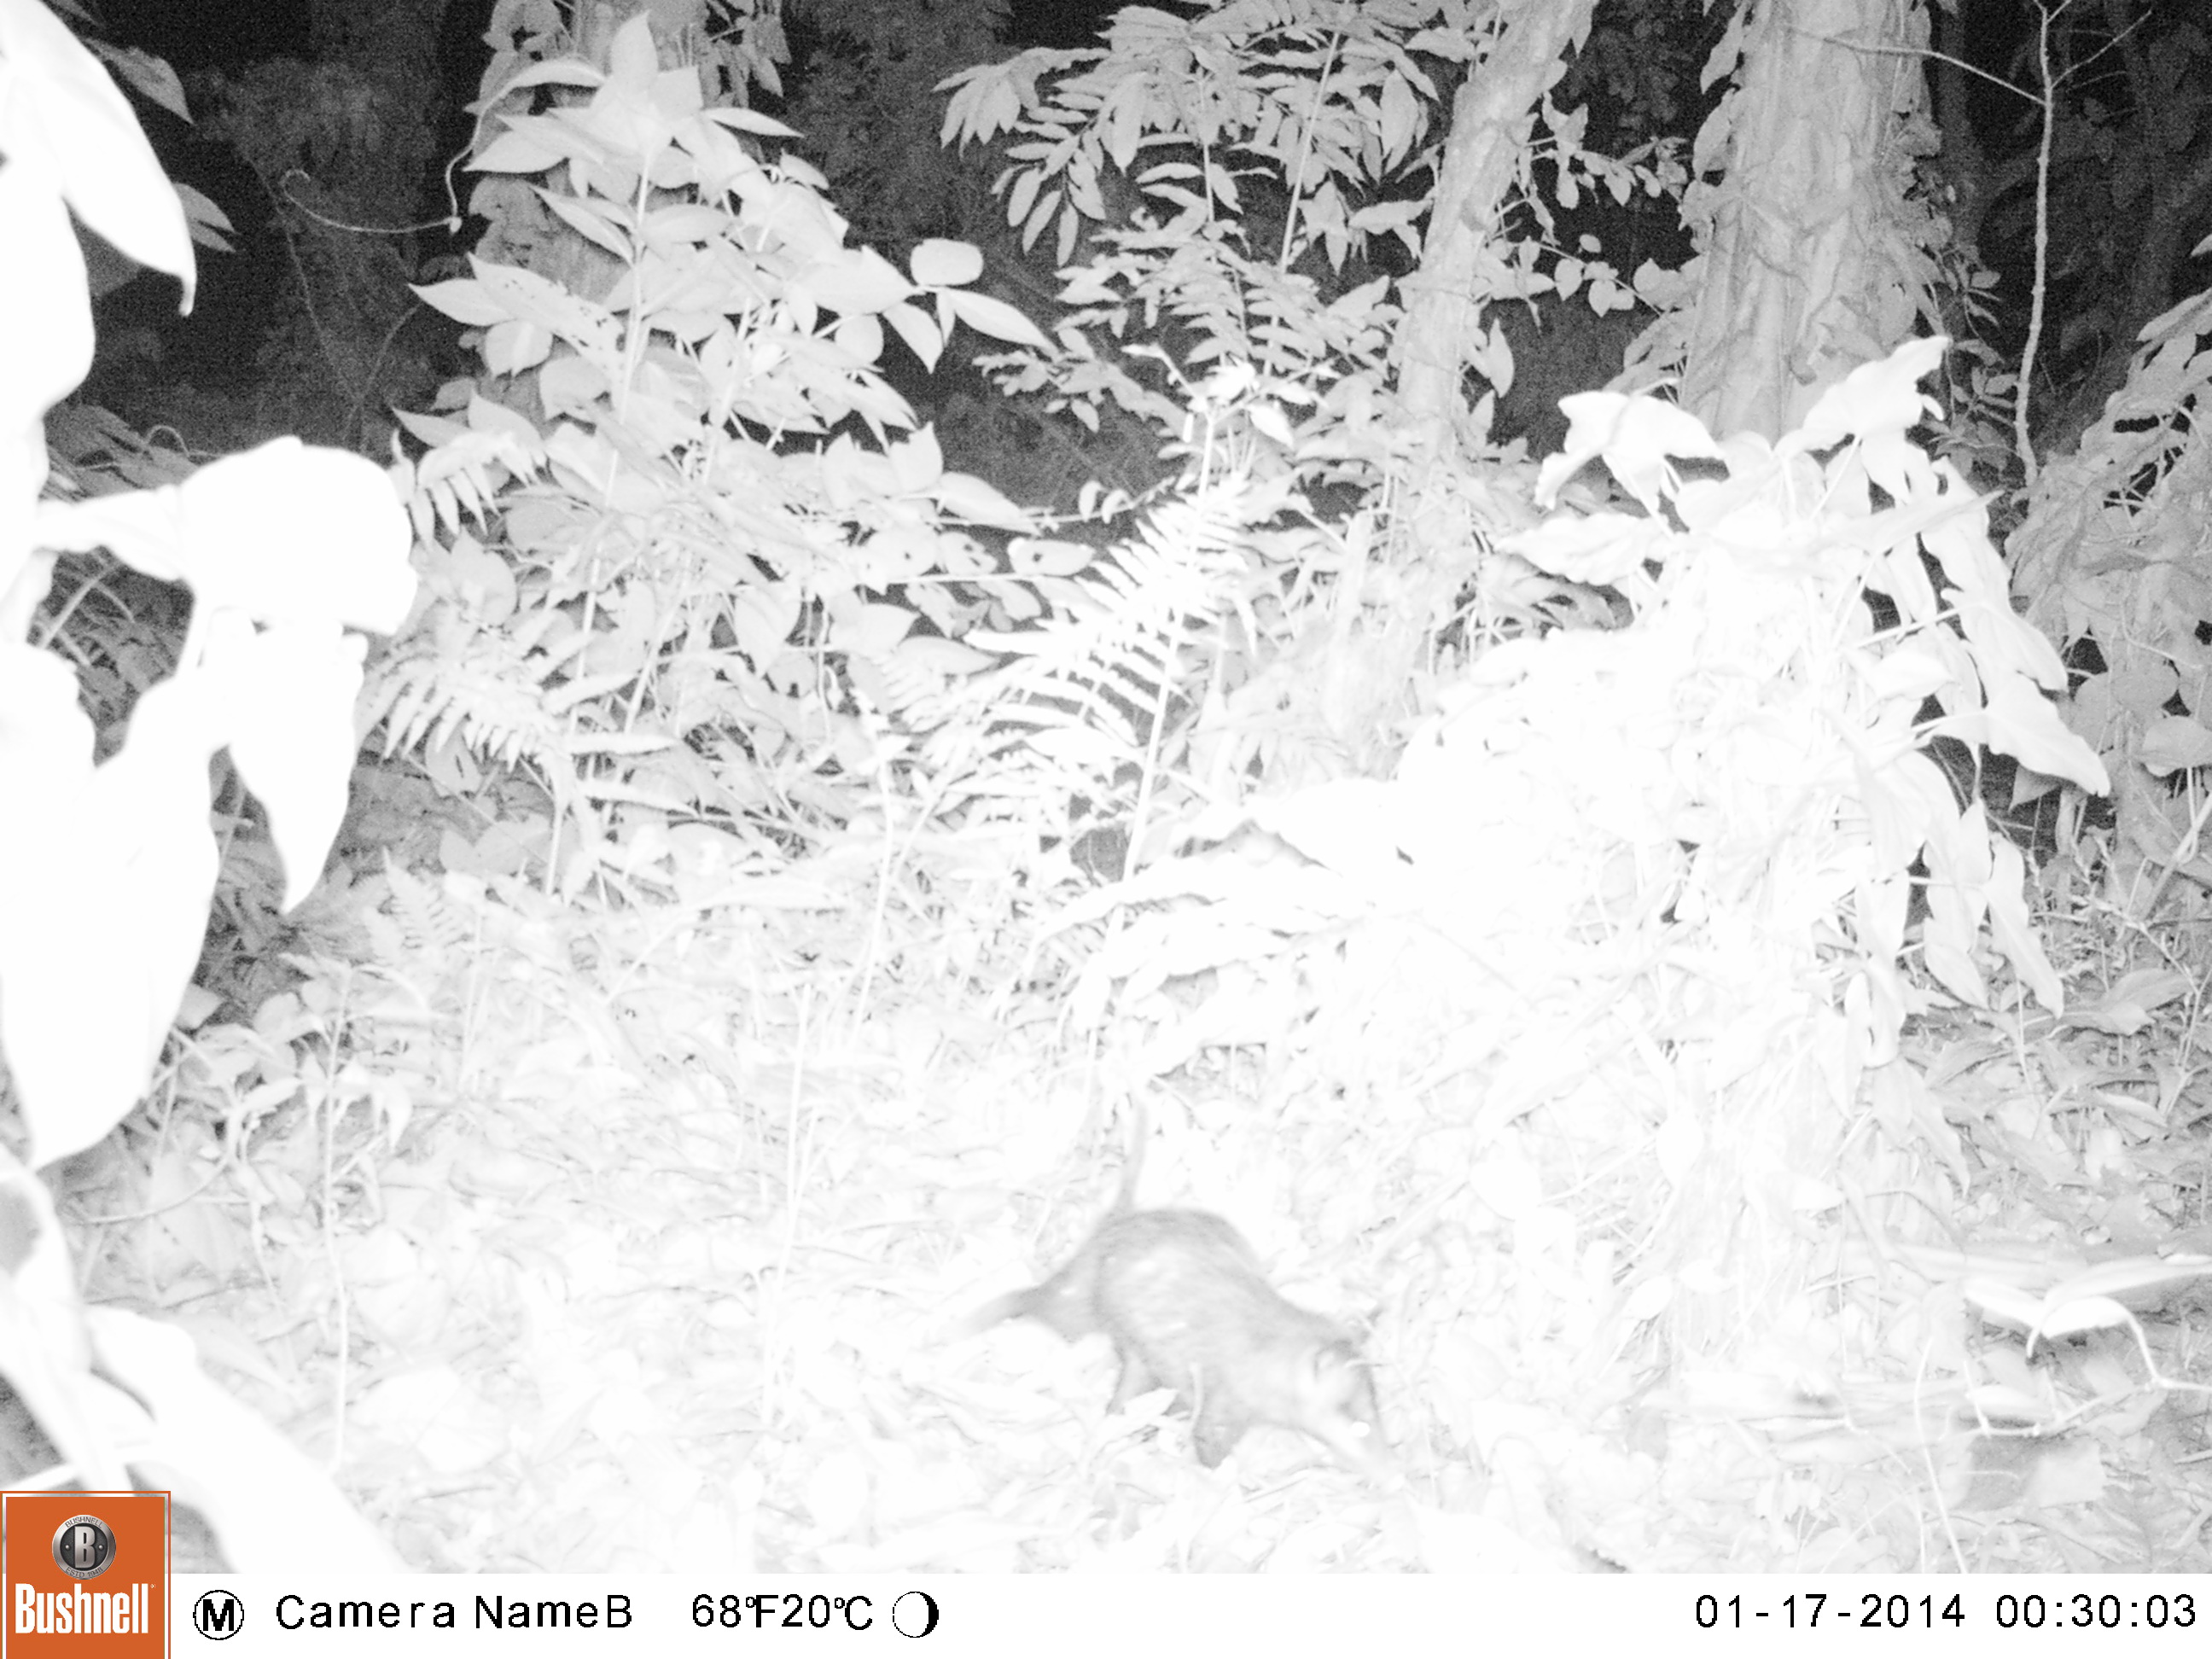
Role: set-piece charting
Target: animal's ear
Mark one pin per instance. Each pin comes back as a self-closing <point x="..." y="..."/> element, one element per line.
<point x="1329" y="1357"/>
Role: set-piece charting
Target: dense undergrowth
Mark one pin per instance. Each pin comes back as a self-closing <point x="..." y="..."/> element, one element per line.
<point x="782" y="859"/>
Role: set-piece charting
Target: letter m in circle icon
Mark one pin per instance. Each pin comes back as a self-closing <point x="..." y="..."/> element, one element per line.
<point x="218" y="1615"/>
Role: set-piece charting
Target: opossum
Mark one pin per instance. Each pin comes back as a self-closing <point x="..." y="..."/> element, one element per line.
<point x="1187" y="1307"/>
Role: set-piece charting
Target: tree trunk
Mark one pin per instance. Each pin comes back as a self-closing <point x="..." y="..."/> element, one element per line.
<point x="1490" y="121"/>
<point x="1806" y="267"/>
<point x="1807" y="270"/>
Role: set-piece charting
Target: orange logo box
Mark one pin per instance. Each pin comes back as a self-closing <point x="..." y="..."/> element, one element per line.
<point x="84" y="1575"/>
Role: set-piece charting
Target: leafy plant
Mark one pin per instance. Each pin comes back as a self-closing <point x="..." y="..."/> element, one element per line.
<point x="1266" y="149"/>
<point x="106" y="867"/>
<point x="700" y="575"/>
<point x="2111" y="558"/>
<point x="266" y="669"/>
<point x="1651" y="887"/>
